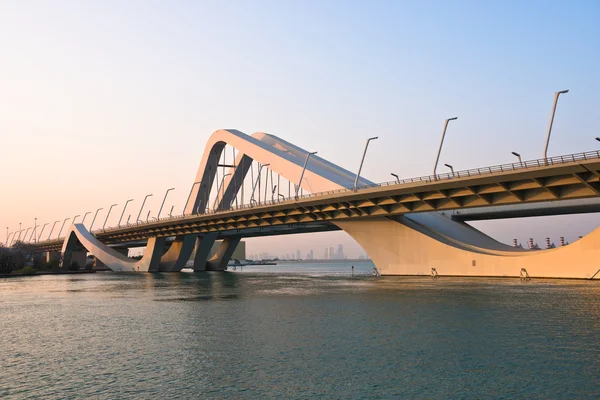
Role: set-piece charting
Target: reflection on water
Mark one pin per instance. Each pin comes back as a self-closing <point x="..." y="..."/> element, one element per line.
<point x="294" y="331"/>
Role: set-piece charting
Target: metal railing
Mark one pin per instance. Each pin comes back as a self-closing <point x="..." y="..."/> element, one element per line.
<point x="502" y="168"/>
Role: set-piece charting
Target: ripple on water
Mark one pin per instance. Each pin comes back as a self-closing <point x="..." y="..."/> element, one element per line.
<point x="295" y="335"/>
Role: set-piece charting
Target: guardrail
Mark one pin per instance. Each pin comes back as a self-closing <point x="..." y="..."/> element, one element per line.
<point x="524" y="165"/>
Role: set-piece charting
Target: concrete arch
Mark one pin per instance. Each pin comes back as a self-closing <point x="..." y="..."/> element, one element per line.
<point x="397" y="249"/>
<point x="79" y="237"/>
<point x="284" y="158"/>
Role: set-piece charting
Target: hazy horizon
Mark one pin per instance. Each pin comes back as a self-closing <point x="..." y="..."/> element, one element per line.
<point x="101" y="102"/>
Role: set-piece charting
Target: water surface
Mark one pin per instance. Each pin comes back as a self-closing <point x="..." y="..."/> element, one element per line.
<point x="297" y="331"/>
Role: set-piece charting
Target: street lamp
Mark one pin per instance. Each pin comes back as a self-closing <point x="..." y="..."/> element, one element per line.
<point x="61" y="228"/>
<point x="451" y="168"/>
<point x="123" y="213"/>
<point x="552" y="121"/>
<point x="221" y="185"/>
<point x="188" y="199"/>
<point x="109" y="210"/>
<point x="75" y="217"/>
<point x="94" y="220"/>
<point x="282" y="196"/>
<point x="84" y="216"/>
<point x="51" y="230"/>
<point x="303" y="169"/>
<point x="142" y="207"/>
<point x="25" y="236"/>
<point x="256" y="183"/>
<point x="395" y="176"/>
<point x="163" y="202"/>
<point x="34" y="231"/>
<point x="441" y="144"/>
<point x="363" y="160"/>
<point x="598" y="139"/>
<point x="42" y="231"/>
<point x="514" y="153"/>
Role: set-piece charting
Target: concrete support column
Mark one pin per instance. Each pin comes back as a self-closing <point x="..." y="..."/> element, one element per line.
<point x="178" y="254"/>
<point x="219" y="261"/>
<point x="151" y="260"/>
<point x="202" y="249"/>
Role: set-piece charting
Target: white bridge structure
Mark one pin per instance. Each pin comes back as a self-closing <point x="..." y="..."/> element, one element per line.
<point x="407" y="227"/>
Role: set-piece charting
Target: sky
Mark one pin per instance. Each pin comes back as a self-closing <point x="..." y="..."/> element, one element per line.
<point x="103" y="101"/>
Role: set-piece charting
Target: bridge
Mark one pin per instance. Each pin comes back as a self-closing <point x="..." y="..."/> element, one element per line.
<point x="408" y="227"/>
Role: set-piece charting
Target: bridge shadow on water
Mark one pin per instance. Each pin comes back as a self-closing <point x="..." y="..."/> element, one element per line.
<point x="201" y="286"/>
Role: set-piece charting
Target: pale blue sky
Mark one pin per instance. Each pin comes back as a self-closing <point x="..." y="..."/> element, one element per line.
<point x="104" y="101"/>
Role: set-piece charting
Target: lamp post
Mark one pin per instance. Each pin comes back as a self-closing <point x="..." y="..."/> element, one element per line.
<point x="256" y="183"/>
<point x="514" y="153"/>
<point x="51" y="230"/>
<point x="163" y="202"/>
<point x="362" y="160"/>
<point x="42" y="231"/>
<point x="303" y="170"/>
<point x="18" y="238"/>
<point x="142" y="207"/>
<point x="451" y="168"/>
<point x="556" y="95"/>
<point x="75" y="217"/>
<point x="395" y="176"/>
<point x="25" y="236"/>
<point x="15" y="238"/>
<point x="20" y="230"/>
<point x="188" y="199"/>
<point x="84" y="216"/>
<point x="598" y="139"/>
<point x="123" y="213"/>
<point x="282" y="196"/>
<point x="94" y="220"/>
<point x="107" y="214"/>
<point x="7" y="235"/>
<point x="8" y="239"/>
<point x="34" y="231"/>
<point x="221" y="185"/>
<point x="61" y="228"/>
<point x="273" y="193"/>
<point x="437" y="159"/>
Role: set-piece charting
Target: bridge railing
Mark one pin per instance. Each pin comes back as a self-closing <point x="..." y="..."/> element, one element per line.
<point x="542" y="162"/>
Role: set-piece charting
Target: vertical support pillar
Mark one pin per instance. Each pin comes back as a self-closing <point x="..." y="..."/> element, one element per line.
<point x="178" y="254"/>
<point x="151" y="260"/>
<point x="219" y="261"/>
<point x="202" y="249"/>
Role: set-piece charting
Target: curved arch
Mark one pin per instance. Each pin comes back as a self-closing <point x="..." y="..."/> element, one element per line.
<point x="398" y="249"/>
<point x="78" y="236"/>
<point x="284" y="158"/>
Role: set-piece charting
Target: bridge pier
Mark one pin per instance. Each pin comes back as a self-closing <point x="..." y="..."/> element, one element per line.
<point x="202" y="249"/>
<point x="219" y="260"/>
<point x="178" y="254"/>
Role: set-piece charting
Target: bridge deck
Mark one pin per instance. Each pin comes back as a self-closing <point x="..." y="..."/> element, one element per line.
<point x="567" y="177"/>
